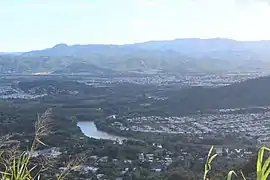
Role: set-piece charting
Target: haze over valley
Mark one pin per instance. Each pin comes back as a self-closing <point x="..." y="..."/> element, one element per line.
<point x="134" y="90"/>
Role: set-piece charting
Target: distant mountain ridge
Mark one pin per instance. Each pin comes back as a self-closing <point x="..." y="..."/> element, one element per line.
<point x="205" y="45"/>
<point x="179" y="55"/>
<point x="184" y="46"/>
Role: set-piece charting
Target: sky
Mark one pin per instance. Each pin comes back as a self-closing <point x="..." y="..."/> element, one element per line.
<point x="37" y="24"/>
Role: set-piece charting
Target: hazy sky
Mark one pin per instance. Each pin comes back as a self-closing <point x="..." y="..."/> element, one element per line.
<point x="37" y="24"/>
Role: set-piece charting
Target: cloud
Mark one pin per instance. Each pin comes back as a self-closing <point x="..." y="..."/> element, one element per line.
<point x="268" y="1"/>
<point x="138" y="22"/>
<point x="245" y="2"/>
<point x="47" y="6"/>
<point x="146" y="3"/>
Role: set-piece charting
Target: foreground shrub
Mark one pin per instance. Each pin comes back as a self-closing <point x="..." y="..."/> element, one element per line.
<point x="17" y="165"/>
<point x="262" y="168"/>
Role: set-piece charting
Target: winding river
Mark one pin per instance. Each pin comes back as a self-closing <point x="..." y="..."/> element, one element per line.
<point x="90" y="130"/>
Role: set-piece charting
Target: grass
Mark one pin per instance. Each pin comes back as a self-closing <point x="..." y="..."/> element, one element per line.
<point x="17" y="165"/>
<point x="262" y="168"/>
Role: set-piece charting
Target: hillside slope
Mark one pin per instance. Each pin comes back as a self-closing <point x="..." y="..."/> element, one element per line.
<point x="250" y="93"/>
<point x="174" y="56"/>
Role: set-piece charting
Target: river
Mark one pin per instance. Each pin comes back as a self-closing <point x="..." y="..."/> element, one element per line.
<point x="90" y="130"/>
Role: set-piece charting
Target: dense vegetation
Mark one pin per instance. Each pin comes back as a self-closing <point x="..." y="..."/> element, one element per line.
<point x="250" y="93"/>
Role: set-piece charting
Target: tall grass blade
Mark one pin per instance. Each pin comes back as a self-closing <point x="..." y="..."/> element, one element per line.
<point x="243" y="176"/>
<point x="262" y="168"/>
<point x="41" y="142"/>
<point x="210" y="151"/>
<point x="205" y="174"/>
<point x="207" y="166"/>
<point x="267" y="174"/>
<point x="229" y="177"/>
<point x="266" y="165"/>
<point x="210" y="161"/>
<point x="259" y="164"/>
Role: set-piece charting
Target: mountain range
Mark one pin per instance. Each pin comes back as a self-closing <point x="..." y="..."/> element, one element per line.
<point x="170" y="56"/>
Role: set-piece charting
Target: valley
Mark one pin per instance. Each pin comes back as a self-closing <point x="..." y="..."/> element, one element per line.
<point x="139" y="111"/>
<point x="142" y="125"/>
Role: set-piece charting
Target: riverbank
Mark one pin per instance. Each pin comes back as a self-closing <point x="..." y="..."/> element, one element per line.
<point x="90" y="130"/>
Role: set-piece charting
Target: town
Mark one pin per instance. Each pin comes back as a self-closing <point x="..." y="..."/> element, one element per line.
<point x="179" y="80"/>
<point x="250" y="125"/>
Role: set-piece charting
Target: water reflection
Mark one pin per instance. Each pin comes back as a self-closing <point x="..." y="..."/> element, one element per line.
<point x="90" y="130"/>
